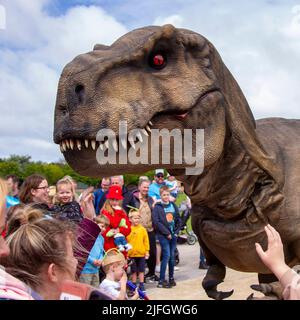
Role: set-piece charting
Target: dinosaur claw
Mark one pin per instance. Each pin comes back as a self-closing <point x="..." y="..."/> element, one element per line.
<point x="263" y="287"/>
<point x="251" y="297"/>
<point x="219" y="295"/>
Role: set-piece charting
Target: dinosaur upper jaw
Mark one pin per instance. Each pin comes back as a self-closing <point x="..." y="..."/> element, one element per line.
<point x="81" y="154"/>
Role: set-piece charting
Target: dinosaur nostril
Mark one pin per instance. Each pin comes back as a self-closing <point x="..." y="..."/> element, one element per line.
<point x="79" y="90"/>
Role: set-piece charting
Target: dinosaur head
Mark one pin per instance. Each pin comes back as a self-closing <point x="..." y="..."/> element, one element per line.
<point x="150" y="78"/>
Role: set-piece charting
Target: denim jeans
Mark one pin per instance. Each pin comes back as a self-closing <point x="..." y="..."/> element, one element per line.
<point x="168" y="256"/>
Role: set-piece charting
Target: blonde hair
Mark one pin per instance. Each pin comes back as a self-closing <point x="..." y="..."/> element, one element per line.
<point x="35" y="245"/>
<point x="113" y="257"/>
<point x="67" y="182"/>
<point x="21" y="214"/>
<point x="107" y="207"/>
<point x="3" y="193"/>
<point x="102" y="219"/>
<point x="134" y="212"/>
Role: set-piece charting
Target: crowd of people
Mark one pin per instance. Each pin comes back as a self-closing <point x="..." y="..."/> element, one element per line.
<point x="101" y="238"/>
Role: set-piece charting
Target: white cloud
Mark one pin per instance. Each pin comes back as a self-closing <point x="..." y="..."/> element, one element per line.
<point x="37" y="48"/>
<point x="176" y="20"/>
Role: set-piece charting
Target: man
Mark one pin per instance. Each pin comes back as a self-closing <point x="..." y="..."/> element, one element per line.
<point x="144" y="203"/>
<point x="12" y="198"/>
<point x="128" y="197"/>
<point x="159" y="181"/>
<point x="100" y="194"/>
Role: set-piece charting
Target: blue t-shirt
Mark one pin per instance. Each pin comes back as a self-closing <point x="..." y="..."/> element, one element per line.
<point x="154" y="190"/>
<point x="11" y="201"/>
<point x="170" y="213"/>
<point x="97" y="253"/>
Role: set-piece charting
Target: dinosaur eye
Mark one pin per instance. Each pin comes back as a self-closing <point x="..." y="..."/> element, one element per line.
<point x="158" y="61"/>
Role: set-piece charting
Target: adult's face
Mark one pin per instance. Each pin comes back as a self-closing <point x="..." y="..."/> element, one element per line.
<point x="144" y="188"/>
<point x="116" y="181"/>
<point x="105" y="184"/>
<point x="159" y="178"/>
<point x="41" y="193"/>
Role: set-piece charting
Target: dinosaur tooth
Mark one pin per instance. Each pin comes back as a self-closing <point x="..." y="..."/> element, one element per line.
<point x="61" y="148"/>
<point x="93" y="144"/>
<point x="151" y="124"/>
<point x="86" y="143"/>
<point x="115" y="145"/>
<point x="124" y="143"/>
<point x="131" y="141"/>
<point x="67" y="143"/>
<point x="71" y="144"/>
<point x="78" y="142"/>
<point x="139" y="136"/>
<point x="63" y="145"/>
<point x="148" y="128"/>
<point x="145" y="132"/>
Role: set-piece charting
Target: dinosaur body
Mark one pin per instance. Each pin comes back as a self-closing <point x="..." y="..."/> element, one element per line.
<point x="251" y="173"/>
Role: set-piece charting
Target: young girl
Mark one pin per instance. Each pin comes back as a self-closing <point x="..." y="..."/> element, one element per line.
<point x="66" y="207"/>
<point x="119" y="227"/>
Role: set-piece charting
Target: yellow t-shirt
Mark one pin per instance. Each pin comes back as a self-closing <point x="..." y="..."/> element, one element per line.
<point x="139" y="240"/>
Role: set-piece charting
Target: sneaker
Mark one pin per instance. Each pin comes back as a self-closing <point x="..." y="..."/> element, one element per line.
<point x="121" y="248"/>
<point x="163" y="284"/>
<point x="172" y="283"/>
<point x="151" y="278"/>
<point x="176" y="268"/>
<point x="157" y="268"/>
<point x="142" y="287"/>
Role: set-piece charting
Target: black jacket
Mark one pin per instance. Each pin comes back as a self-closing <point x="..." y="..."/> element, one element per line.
<point x="160" y="222"/>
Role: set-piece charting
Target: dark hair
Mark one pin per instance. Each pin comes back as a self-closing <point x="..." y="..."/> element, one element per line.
<point x="31" y="182"/>
<point x="13" y="177"/>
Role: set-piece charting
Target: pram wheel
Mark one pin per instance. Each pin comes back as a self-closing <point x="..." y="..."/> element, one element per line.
<point x="191" y="239"/>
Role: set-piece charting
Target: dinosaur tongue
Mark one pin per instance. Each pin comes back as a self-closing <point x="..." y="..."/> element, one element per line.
<point x="181" y="116"/>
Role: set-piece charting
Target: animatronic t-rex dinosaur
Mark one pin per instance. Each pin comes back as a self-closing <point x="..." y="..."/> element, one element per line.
<point x="163" y="77"/>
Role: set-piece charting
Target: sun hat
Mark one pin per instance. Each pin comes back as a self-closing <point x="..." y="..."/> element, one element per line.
<point x="115" y="192"/>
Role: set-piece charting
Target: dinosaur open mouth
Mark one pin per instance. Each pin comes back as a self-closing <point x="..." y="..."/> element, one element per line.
<point x="92" y="144"/>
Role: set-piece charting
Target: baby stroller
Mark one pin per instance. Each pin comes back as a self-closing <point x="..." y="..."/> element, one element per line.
<point x="186" y="234"/>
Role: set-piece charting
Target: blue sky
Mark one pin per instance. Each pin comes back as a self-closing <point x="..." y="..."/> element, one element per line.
<point x="258" y="40"/>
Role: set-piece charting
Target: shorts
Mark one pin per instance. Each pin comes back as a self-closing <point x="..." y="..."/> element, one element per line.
<point x="138" y="264"/>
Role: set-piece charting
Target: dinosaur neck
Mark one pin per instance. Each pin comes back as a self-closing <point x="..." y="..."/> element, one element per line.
<point x="234" y="186"/>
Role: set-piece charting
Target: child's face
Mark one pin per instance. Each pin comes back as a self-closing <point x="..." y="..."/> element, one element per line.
<point x="165" y="196"/>
<point x="102" y="226"/>
<point x="135" y="220"/>
<point x="115" y="203"/>
<point x="64" y="193"/>
<point x="118" y="271"/>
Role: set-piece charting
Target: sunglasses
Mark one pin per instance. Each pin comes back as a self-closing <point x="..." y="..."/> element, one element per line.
<point x="160" y="175"/>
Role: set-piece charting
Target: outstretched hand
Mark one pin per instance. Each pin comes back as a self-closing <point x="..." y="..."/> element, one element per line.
<point x="87" y="205"/>
<point x="273" y="257"/>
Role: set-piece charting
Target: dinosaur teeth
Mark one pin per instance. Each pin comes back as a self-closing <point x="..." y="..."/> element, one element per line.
<point x="151" y="124"/>
<point x="148" y="128"/>
<point x="71" y="144"/>
<point x="67" y="143"/>
<point x="93" y="144"/>
<point x="78" y="142"/>
<point x="86" y="143"/>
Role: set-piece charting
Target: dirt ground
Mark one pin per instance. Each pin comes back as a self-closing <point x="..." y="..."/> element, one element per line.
<point x="189" y="278"/>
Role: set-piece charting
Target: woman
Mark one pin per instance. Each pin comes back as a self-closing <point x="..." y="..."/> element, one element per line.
<point x="42" y="254"/>
<point x="35" y="190"/>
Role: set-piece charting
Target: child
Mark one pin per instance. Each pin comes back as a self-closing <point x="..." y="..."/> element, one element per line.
<point x="167" y="223"/>
<point x="115" y="281"/>
<point x="139" y="240"/>
<point x="90" y="272"/>
<point x="119" y="226"/>
<point x="66" y="207"/>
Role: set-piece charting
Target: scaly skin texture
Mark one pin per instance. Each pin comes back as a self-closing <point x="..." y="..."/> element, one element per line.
<point x="251" y="170"/>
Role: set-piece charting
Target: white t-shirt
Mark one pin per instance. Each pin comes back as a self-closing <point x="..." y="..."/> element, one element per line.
<point x="111" y="287"/>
